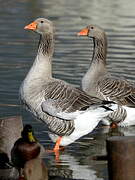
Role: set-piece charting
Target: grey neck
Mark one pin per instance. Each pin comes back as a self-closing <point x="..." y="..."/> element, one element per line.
<point x="97" y="67"/>
<point x="99" y="50"/>
<point x="41" y="69"/>
<point x="46" y="45"/>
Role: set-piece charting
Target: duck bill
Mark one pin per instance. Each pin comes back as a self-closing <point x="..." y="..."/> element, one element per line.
<point x="31" y="26"/>
<point x="83" y="32"/>
<point x="31" y="137"/>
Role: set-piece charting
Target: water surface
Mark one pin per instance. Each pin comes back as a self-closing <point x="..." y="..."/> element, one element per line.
<point x="71" y="60"/>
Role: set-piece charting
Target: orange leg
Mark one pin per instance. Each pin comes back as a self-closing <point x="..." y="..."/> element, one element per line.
<point x="57" y="145"/>
<point x="56" y="149"/>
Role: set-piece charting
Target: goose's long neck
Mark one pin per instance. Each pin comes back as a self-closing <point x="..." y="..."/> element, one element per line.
<point x="98" y="64"/>
<point x="42" y="66"/>
<point x="99" y="51"/>
<point x="46" y="45"/>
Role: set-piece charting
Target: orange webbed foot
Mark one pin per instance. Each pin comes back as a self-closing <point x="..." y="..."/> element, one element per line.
<point x="113" y="125"/>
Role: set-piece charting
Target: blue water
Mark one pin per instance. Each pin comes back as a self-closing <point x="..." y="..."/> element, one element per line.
<point x="71" y="60"/>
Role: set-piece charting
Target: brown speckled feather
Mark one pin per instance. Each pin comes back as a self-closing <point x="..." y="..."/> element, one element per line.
<point x="119" y="90"/>
<point x="71" y="98"/>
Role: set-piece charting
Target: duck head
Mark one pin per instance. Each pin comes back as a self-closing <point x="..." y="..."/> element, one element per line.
<point x="28" y="134"/>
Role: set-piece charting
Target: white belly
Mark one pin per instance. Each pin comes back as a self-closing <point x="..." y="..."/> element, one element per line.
<point x="84" y="124"/>
<point x="130" y="119"/>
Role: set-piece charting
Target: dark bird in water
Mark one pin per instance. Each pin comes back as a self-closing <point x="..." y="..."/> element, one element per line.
<point x="25" y="148"/>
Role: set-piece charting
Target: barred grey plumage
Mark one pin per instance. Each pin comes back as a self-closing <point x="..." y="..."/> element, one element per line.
<point x="98" y="82"/>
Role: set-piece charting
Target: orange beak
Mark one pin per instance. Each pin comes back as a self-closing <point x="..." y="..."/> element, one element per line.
<point x="83" y="32"/>
<point x="31" y="26"/>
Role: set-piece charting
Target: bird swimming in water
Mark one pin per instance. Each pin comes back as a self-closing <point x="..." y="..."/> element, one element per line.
<point x="25" y="148"/>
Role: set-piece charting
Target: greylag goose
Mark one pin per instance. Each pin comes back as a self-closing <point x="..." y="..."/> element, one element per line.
<point x="99" y="83"/>
<point x="68" y="112"/>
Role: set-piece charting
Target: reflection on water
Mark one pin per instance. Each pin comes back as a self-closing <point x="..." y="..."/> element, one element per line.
<point x="70" y="62"/>
<point x="78" y="171"/>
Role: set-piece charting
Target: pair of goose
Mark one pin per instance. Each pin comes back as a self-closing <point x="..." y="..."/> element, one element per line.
<point x="68" y="112"/>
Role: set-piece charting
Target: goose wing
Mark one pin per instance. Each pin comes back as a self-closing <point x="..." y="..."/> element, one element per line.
<point x="119" y="90"/>
<point x="63" y="97"/>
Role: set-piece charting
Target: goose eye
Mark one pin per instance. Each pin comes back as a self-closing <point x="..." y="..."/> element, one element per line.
<point x="41" y="21"/>
<point x="92" y="27"/>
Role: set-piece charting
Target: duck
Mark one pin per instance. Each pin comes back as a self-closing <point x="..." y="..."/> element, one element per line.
<point x="68" y="112"/>
<point x="25" y="148"/>
<point x="100" y="83"/>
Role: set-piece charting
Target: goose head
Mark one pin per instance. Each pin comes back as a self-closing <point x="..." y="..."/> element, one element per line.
<point x="41" y="26"/>
<point x="92" y="31"/>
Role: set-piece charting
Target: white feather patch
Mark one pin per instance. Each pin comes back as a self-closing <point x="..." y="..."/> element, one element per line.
<point x="130" y="119"/>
